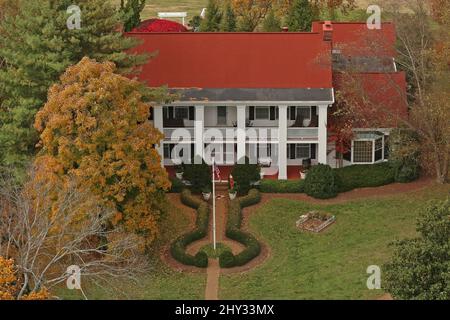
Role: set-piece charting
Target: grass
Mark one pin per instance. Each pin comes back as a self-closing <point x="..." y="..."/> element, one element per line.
<point x="192" y="7"/>
<point x="162" y="283"/>
<point x="332" y="264"/>
<point x="220" y="248"/>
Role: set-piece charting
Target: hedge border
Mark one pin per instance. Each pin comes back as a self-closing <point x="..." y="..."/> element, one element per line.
<point x="234" y="221"/>
<point x="178" y="247"/>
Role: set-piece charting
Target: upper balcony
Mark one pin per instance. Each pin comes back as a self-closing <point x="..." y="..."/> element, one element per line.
<point x="261" y="123"/>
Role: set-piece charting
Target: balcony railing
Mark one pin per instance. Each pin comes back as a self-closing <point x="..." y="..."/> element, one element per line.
<point x="254" y="134"/>
<point x="303" y="133"/>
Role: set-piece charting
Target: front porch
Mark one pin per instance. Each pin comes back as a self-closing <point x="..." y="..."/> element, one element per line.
<point x="293" y="172"/>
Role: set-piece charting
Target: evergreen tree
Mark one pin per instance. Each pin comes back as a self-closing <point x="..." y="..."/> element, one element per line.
<point x="272" y="23"/>
<point x="213" y="17"/>
<point x="420" y="268"/>
<point x="300" y="16"/>
<point x="38" y="46"/>
<point x="229" y="19"/>
<point x="131" y="13"/>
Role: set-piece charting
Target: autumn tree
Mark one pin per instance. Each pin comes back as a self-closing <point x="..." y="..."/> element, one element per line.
<point x="51" y="223"/>
<point x="10" y="285"/>
<point x="251" y="12"/>
<point x="94" y="127"/>
<point x="37" y="47"/>
<point x="420" y="268"/>
<point x="300" y="16"/>
<point x="131" y="13"/>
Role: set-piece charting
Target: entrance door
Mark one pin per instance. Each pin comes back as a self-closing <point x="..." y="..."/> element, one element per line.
<point x="221" y="116"/>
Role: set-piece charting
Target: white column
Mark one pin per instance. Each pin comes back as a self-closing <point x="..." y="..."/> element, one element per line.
<point x="158" y="123"/>
<point x="241" y="137"/>
<point x="282" y="143"/>
<point x="198" y="130"/>
<point x="323" y="136"/>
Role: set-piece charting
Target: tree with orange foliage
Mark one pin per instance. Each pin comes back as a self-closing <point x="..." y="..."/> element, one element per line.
<point x="94" y="127"/>
<point x="10" y="285"/>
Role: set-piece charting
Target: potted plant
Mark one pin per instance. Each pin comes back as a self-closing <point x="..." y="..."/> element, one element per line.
<point x="179" y="171"/>
<point x="232" y="192"/>
<point x="206" y="192"/>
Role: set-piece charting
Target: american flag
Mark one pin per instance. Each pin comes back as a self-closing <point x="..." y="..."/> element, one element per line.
<point x="216" y="170"/>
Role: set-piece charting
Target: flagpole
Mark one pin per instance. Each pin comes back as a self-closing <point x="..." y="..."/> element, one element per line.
<point x="214" y="205"/>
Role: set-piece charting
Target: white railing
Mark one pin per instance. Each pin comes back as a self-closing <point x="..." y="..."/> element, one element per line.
<point x="303" y="133"/>
<point x="174" y="134"/>
<point x="229" y="134"/>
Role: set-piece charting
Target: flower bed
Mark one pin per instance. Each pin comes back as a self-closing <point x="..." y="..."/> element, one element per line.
<point x="315" y="221"/>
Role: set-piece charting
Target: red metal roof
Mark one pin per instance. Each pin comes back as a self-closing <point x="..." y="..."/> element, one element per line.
<point x="355" y="39"/>
<point x="236" y="60"/>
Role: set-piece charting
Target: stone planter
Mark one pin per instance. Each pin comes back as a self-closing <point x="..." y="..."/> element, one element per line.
<point x="206" y="195"/>
<point x="232" y="195"/>
<point x="179" y="175"/>
<point x="302" y="175"/>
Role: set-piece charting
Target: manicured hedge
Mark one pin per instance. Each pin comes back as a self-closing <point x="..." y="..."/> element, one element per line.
<point x="244" y="175"/>
<point x="252" y="246"/>
<point x="320" y="182"/>
<point x="282" y="186"/>
<point x="363" y="176"/>
<point x="177" y="185"/>
<point x="178" y="247"/>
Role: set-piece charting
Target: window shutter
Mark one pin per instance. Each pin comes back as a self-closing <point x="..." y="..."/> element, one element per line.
<point x="251" y="113"/>
<point x="272" y="113"/>
<point x="191" y="113"/>
<point x="151" y="117"/>
<point x="165" y="114"/>
<point x="292" y="148"/>
<point x="292" y="112"/>
<point x="313" y="150"/>
<point x="313" y="111"/>
<point x="171" y="113"/>
<point x="277" y="113"/>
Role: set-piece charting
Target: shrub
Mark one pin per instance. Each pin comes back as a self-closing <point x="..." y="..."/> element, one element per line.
<point x="320" y="182"/>
<point x="252" y="246"/>
<point x="177" y="185"/>
<point x="245" y="174"/>
<point x="404" y="147"/>
<point x="178" y="247"/>
<point x="282" y="186"/>
<point x="363" y="176"/>
<point x="199" y="175"/>
<point x="226" y="259"/>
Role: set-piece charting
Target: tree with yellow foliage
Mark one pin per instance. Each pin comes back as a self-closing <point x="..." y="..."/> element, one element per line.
<point x="94" y="127"/>
<point x="10" y="285"/>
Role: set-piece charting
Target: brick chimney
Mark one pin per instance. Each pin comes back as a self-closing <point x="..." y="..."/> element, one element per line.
<point x="327" y="31"/>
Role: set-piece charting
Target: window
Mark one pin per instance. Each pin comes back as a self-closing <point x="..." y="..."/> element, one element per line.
<point x="379" y="149"/>
<point x="304" y="113"/>
<point x="167" y="150"/>
<point x="181" y="113"/>
<point x="362" y="151"/>
<point x="262" y="113"/>
<point x="221" y="115"/>
<point x="264" y="150"/>
<point x="303" y="151"/>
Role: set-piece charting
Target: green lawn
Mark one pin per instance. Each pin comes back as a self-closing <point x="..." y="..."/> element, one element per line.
<point x="330" y="265"/>
<point x="162" y="283"/>
<point x="192" y="7"/>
